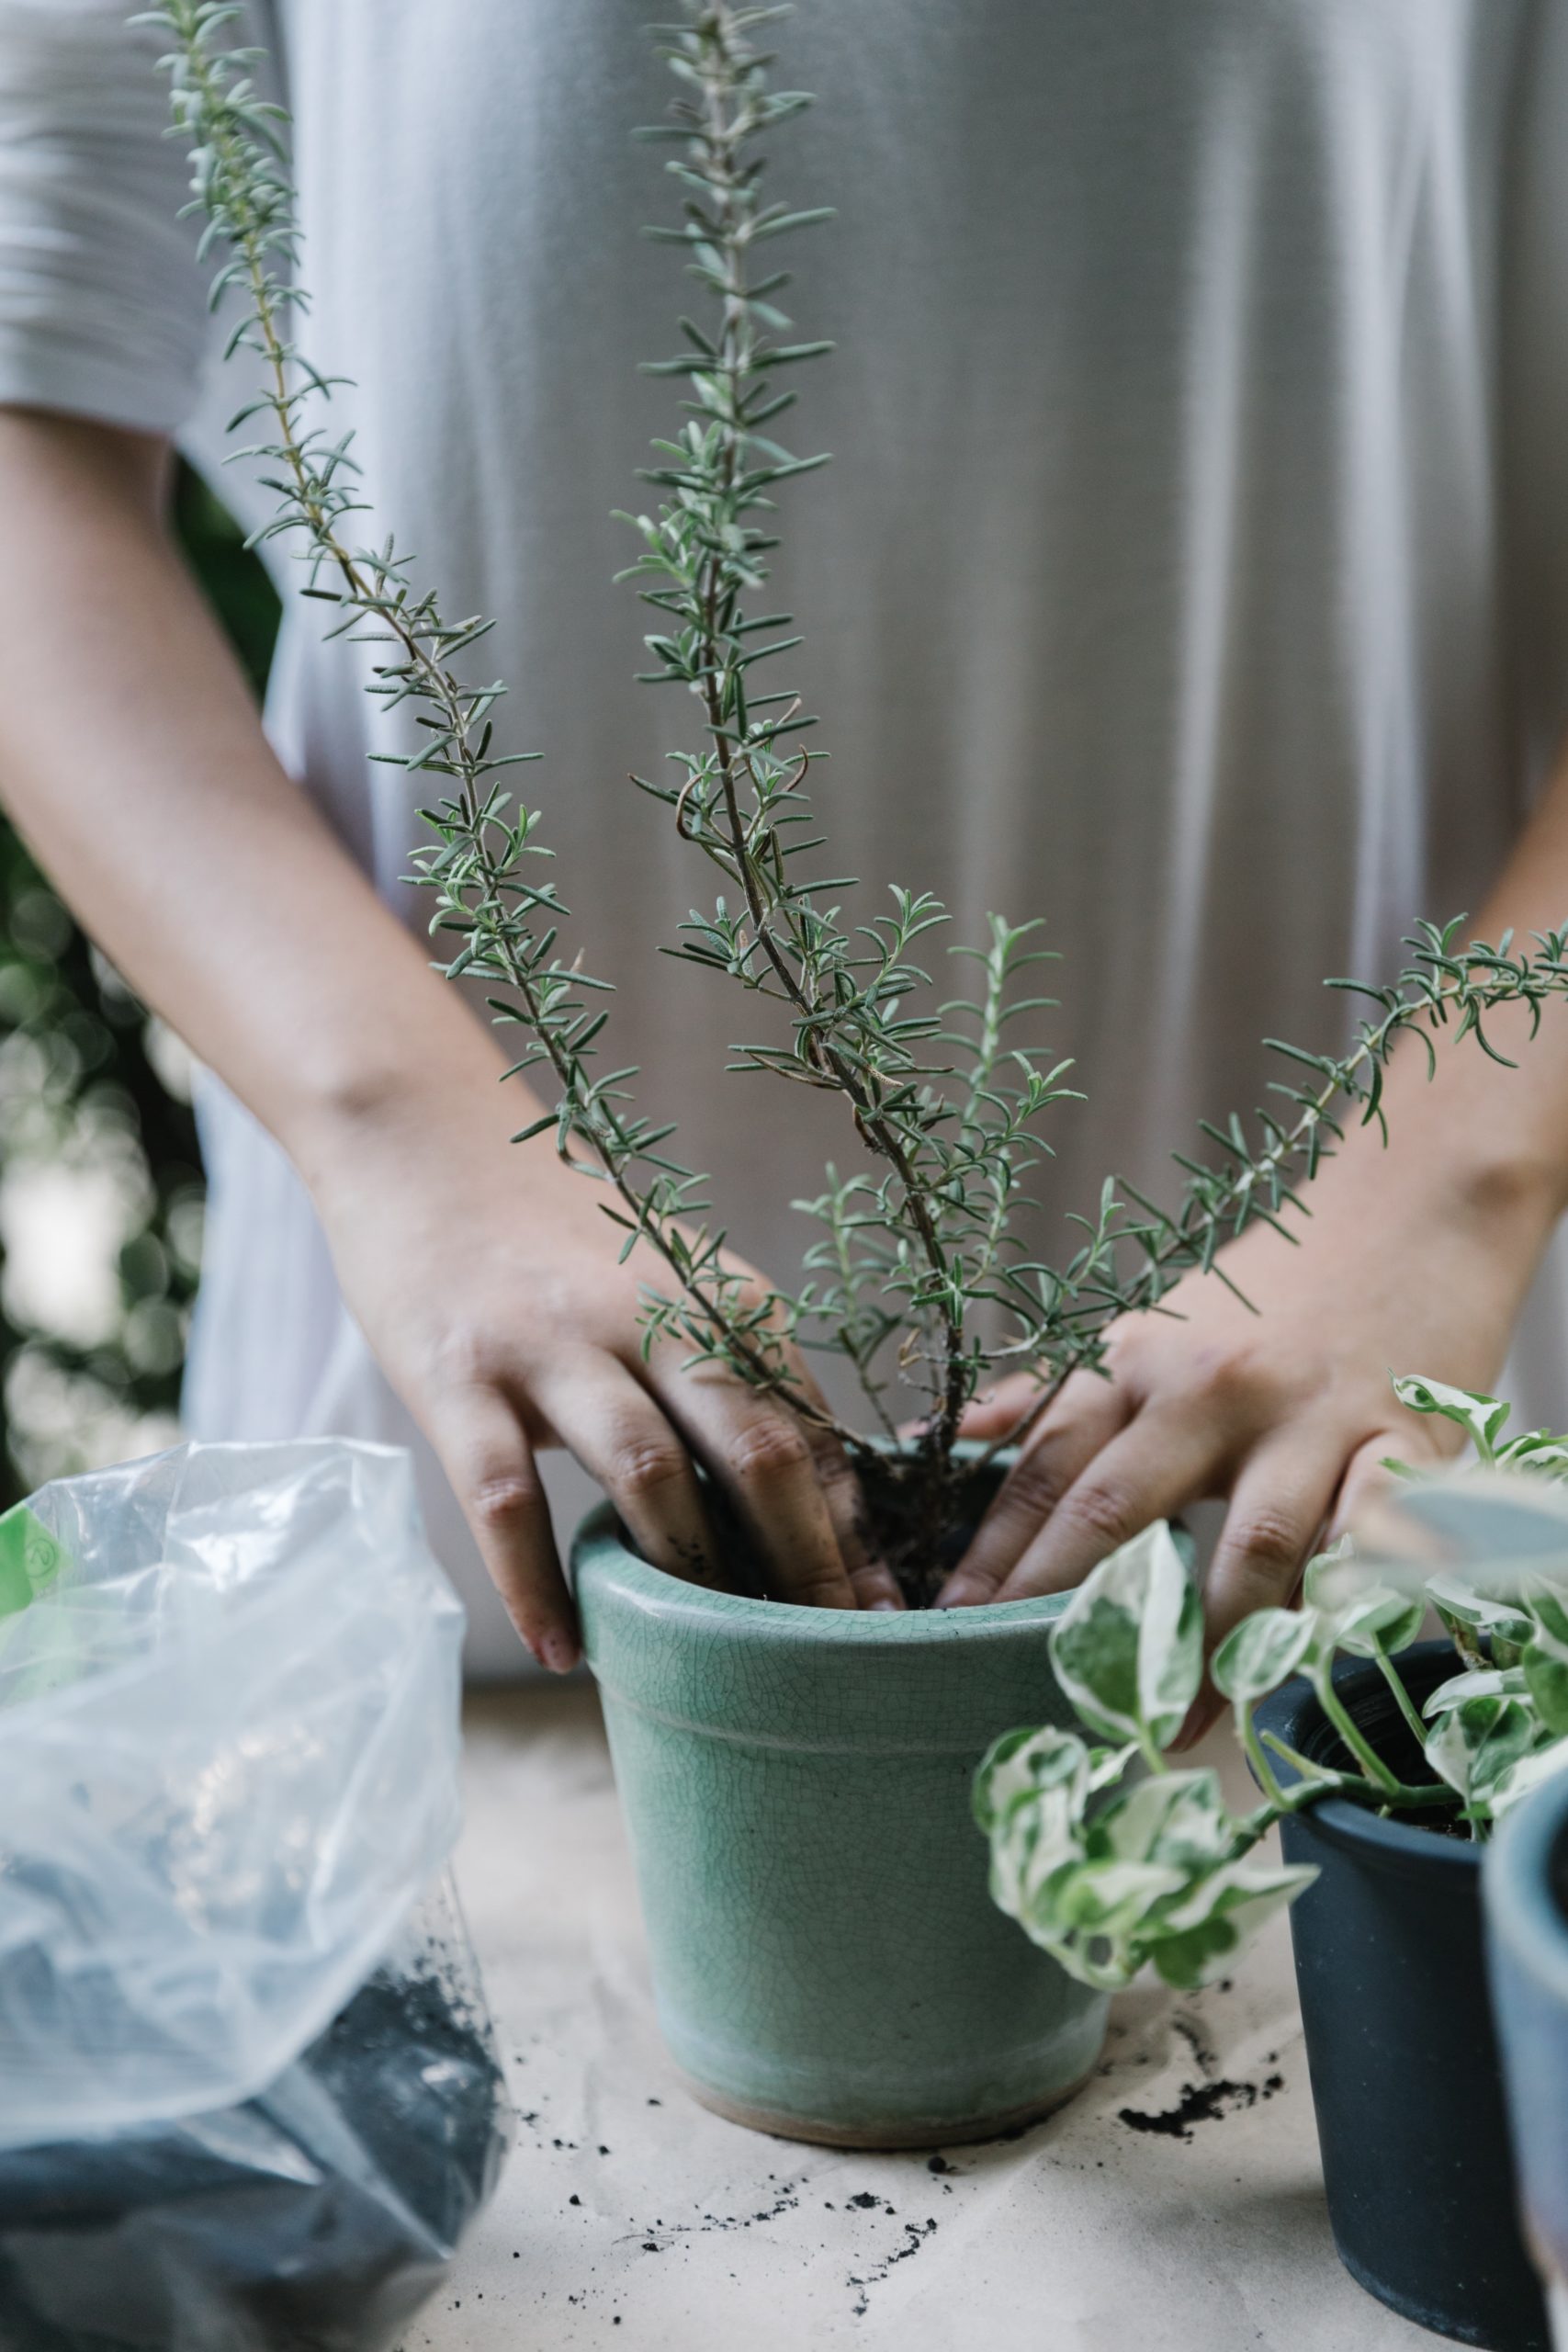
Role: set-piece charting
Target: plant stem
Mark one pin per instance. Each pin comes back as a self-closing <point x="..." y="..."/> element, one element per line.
<point x="1267" y="1779"/>
<point x="1291" y="1756"/>
<point x="1231" y="1200"/>
<point x="732" y="193"/>
<point x="1350" y="1732"/>
<point x="1319" y="1781"/>
<point x="1401" y="1697"/>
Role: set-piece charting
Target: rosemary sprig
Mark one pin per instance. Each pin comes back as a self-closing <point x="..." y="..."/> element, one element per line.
<point x="1445" y="984"/>
<point x="931" y="1234"/>
<point x="479" y="866"/>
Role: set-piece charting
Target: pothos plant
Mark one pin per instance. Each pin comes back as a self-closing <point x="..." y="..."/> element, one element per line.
<point x="922" y="1277"/>
<point x="1109" y="1857"/>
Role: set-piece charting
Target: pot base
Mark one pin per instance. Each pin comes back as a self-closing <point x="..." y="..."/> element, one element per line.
<point x="1440" y="2321"/>
<point x="889" y="2138"/>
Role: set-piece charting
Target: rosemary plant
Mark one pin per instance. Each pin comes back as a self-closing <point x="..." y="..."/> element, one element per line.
<point x="922" y="1277"/>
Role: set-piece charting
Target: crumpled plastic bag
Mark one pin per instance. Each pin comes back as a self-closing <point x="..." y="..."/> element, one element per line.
<point x="248" y="2089"/>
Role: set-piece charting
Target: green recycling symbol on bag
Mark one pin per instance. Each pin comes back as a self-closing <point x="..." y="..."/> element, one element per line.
<point x="31" y="1558"/>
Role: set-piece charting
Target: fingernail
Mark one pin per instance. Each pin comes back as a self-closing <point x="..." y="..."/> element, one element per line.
<point x="893" y="1605"/>
<point x="558" y="1652"/>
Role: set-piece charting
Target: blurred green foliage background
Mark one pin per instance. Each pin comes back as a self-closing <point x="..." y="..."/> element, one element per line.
<point x="100" y="1179"/>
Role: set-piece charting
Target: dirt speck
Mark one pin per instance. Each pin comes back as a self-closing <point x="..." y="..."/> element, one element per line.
<point x="915" y="2234"/>
<point x="1198" y="2103"/>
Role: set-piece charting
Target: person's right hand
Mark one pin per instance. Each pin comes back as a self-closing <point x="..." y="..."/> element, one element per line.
<point x="486" y="1281"/>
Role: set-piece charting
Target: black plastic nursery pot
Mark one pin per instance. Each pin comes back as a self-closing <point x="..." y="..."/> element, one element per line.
<point x="1405" y="2074"/>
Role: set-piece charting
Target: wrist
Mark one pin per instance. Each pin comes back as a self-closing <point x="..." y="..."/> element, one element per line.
<point x="376" y="1112"/>
<point x="1479" y="1196"/>
<point x="1472" y="1146"/>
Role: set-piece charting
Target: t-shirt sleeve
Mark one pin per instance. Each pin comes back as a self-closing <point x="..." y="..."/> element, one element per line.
<point x="103" y="305"/>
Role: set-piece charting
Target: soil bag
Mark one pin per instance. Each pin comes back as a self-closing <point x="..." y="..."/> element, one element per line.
<point x="249" y="2099"/>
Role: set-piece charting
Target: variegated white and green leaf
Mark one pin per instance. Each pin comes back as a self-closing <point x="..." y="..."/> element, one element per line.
<point x="1544" y="1662"/>
<point x="1542" y="1763"/>
<point x="1022" y="1763"/>
<point x="1199" y="1936"/>
<point x="1171" y="1818"/>
<point x="1482" y="1418"/>
<point x="1030" y="1796"/>
<point x="1493" y="1525"/>
<point x="1381" y="1620"/>
<point x="1128" y="1648"/>
<point x="1477" y="1744"/>
<point x="1472" y="1617"/>
<point x="1357" y="1608"/>
<point x="1537" y="1452"/>
<point x="1157" y="1873"/>
<point x="1330" y="1577"/>
<point x="1262" y="1652"/>
<point x="1475" y="1682"/>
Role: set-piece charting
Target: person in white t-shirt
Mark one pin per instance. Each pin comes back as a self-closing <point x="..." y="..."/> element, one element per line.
<point x="1193" y="570"/>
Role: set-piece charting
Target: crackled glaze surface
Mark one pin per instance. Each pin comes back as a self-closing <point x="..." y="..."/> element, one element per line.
<point x="795" y="1783"/>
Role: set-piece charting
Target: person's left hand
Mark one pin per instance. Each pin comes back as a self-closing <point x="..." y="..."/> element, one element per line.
<point x="1286" y="1413"/>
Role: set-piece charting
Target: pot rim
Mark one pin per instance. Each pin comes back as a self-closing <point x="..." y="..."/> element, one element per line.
<point x="1522" y="1909"/>
<point x="1293" y="1711"/>
<point x="654" y="1591"/>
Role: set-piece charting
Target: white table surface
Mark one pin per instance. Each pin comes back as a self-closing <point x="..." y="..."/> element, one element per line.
<point x="629" y="2217"/>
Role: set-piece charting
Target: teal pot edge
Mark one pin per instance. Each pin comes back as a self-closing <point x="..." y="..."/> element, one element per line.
<point x="826" y="1734"/>
<point x="600" y="1532"/>
<point x="815" y="1641"/>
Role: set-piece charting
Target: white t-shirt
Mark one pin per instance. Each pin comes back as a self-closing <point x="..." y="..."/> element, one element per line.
<point x="1194" y="568"/>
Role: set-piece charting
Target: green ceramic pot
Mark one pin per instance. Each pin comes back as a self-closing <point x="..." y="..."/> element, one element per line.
<point x="827" y="1960"/>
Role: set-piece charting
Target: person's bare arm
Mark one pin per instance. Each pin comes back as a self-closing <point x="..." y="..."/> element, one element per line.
<point x="133" y="760"/>
<point x="1415" y="1258"/>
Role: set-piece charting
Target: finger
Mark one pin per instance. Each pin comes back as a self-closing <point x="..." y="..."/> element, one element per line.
<point x="1277" y="1512"/>
<point x="871" y="1579"/>
<point x="1278" y="1508"/>
<point x="619" y="1434"/>
<point x="1163" y="1459"/>
<point x="1367" y="1483"/>
<point x="873" y="1583"/>
<point x="490" y="1464"/>
<point x="760" y="1453"/>
<point x="1088" y="1413"/>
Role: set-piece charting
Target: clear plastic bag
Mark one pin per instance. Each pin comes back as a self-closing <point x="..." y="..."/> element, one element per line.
<point x="248" y="2092"/>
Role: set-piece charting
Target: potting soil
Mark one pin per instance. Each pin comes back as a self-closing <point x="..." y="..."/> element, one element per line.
<point x="316" y="2218"/>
